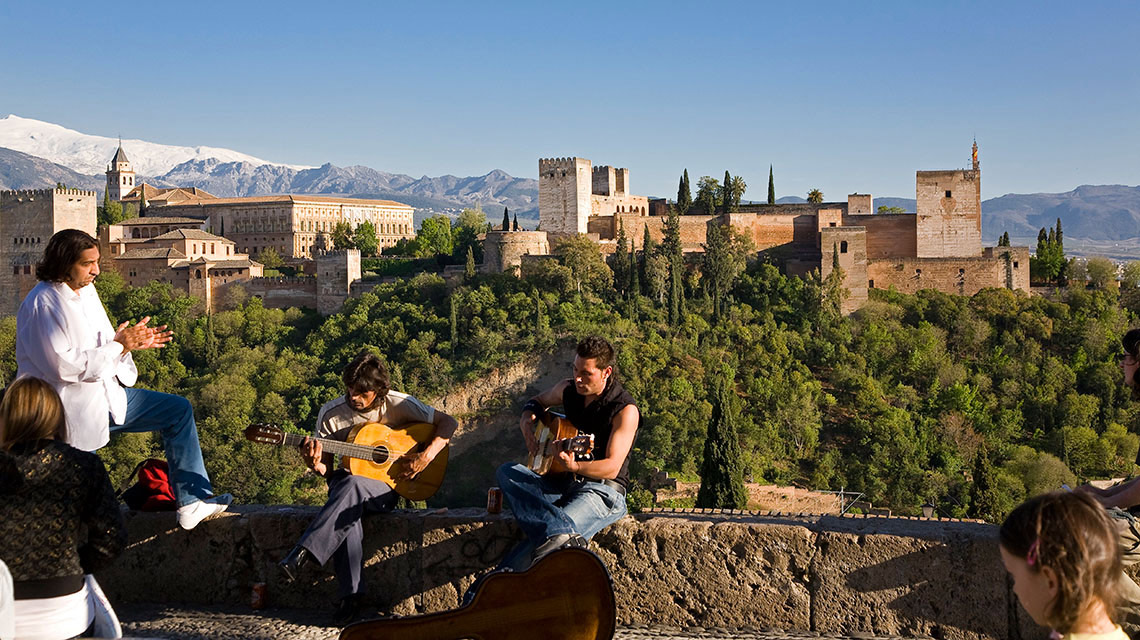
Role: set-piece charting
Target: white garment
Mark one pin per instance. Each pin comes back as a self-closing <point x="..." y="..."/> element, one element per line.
<point x="337" y="416"/>
<point x="55" y="618"/>
<point x="64" y="337"/>
<point x="7" y="609"/>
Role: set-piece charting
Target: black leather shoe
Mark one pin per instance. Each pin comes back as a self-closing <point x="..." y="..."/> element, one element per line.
<point x="291" y="565"/>
<point x="556" y="542"/>
<point x="348" y="610"/>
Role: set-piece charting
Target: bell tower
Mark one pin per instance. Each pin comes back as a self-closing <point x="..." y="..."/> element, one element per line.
<point x="120" y="175"/>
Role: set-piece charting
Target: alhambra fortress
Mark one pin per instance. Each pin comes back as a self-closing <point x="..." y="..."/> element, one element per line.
<point x="937" y="247"/>
<point x="202" y="244"/>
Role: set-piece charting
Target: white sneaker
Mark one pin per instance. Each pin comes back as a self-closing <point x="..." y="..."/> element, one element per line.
<point x="189" y="515"/>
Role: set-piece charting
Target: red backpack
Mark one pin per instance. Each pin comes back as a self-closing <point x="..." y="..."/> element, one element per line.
<point x="152" y="492"/>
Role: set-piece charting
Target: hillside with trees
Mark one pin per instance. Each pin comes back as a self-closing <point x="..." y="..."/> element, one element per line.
<point x="970" y="403"/>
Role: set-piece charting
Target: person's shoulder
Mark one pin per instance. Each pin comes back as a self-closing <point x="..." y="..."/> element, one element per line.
<point x="41" y="294"/>
<point x="333" y="405"/>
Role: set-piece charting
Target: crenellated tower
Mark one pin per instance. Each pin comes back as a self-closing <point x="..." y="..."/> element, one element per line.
<point x="564" y="188"/>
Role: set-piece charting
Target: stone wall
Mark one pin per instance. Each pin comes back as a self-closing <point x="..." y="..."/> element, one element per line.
<point x="849" y="246"/>
<point x="888" y="234"/>
<point x="822" y="574"/>
<point x="564" y="188"/>
<point x="949" y="212"/>
<point x="503" y="250"/>
<point x="336" y="271"/>
<point x="28" y="218"/>
<point x="281" y="293"/>
<point x="962" y="276"/>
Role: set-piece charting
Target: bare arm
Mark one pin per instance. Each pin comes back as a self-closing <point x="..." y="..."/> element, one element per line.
<point x="1122" y="495"/>
<point x="621" y="439"/>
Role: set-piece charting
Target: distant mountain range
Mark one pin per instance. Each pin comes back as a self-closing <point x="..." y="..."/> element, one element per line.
<point x="35" y="154"/>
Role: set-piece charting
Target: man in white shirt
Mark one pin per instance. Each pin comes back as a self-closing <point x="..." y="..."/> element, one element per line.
<point x="337" y="532"/>
<point x="63" y="336"/>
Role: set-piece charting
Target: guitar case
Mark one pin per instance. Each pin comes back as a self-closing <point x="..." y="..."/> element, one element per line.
<point x="567" y="595"/>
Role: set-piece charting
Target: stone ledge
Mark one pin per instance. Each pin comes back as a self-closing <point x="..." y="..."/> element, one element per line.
<point x="810" y="573"/>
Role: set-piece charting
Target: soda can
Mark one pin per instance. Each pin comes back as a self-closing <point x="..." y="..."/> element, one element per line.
<point x="257" y="596"/>
<point x="494" y="500"/>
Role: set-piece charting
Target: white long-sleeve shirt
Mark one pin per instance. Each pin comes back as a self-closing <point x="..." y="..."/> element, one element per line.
<point x="64" y="337"/>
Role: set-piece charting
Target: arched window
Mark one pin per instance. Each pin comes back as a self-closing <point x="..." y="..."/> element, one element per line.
<point x="198" y="274"/>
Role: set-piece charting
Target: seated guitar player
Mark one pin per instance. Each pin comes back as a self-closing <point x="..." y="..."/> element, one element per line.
<point x="577" y="498"/>
<point x="337" y="532"/>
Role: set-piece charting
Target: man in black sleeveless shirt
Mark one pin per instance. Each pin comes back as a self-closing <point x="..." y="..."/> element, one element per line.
<point x="567" y="508"/>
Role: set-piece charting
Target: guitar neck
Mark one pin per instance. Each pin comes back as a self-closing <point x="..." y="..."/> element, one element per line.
<point x="335" y="447"/>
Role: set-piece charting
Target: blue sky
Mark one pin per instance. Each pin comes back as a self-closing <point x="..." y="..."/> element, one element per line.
<point x="843" y="96"/>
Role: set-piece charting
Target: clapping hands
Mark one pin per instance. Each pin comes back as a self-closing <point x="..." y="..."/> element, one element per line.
<point x="140" y="336"/>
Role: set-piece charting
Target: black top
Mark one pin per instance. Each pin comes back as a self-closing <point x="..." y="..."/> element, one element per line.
<point x="598" y="418"/>
<point x="59" y="518"/>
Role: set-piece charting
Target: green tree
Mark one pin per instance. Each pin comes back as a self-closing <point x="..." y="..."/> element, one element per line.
<point x="434" y="237"/>
<point x="684" y="194"/>
<point x="885" y="209"/>
<point x="516" y="223"/>
<point x="734" y="188"/>
<point x="270" y="258"/>
<point x="708" y="195"/>
<point x="142" y="200"/>
<point x="724" y="261"/>
<point x="619" y="261"/>
<point x="342" y="236"/>
<point x="771" y="187"/>
<point x="722" y="475"/>
<point x="470" y="223"/>
<point x="469" y="266"/>
<point x="110" y="213"/>
<point x="366" y="239"/>
<point x="815" y="196"/>
<point x="506" y="220"/>
<point x="671" y="247"/>
<point x="1101" y="272"/>
<point x="589" y="271"/>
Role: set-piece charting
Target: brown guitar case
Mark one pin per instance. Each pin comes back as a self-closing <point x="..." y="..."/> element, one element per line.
<point x="568" y="595"/>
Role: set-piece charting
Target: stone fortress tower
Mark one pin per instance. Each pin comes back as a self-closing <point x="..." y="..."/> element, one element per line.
<point x="949" y="209"/>
<point x="28" y="218"/>
<point x="572" y="190"/>
<point x="120" y="175"/>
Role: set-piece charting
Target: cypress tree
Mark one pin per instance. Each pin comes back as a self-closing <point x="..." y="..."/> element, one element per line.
<point x="506" y="220"/>
<point x="1060" y="238"/>
<point x="469" y="267"/>
<point x="516" y="225"/>
<point x="771" y="187"/>
<point x="727" y="191"/>
<point x="684" y="194"/>
<point x="454" y="326"/>
<point x="722" y="473"/>
<point x="634" y="290"/>
<point x="674" y="252"/>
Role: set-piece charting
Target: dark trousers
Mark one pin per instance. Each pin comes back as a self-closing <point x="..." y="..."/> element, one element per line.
<point x="337" y="532"/>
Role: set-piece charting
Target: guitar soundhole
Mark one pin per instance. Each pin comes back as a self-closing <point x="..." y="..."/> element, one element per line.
<point x="380" y="454"/>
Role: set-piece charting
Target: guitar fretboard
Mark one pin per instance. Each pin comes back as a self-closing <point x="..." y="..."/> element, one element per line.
<point x="377" y="454"/>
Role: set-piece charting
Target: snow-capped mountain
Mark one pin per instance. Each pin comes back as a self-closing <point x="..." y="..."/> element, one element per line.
<point x="89" y="155"/>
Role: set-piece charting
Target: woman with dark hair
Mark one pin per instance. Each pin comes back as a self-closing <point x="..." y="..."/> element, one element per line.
<point x="63" y="336"/>
<point x="59" y="519"/>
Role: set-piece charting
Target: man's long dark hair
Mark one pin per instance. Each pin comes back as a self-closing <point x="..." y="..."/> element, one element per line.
<point x="61" y="253"/>
<point x="366" y="373"/>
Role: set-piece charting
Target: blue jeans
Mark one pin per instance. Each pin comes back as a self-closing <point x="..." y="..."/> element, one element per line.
<point x="173" y="417"/>
<point x="547" y="506"/>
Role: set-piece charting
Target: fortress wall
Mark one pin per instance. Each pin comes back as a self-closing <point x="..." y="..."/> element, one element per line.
<point x="888" y="234"/>
<point x="961" y="276"/>
<point x="816" y="574"/>
<point x="772" y="230"/>
<point x="693" y="230"/>
<point x="281" y="293"/>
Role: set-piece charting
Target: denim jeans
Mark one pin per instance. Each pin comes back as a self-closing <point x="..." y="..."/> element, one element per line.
<point x="546" y="506"/>
<point x="173" y="417"/>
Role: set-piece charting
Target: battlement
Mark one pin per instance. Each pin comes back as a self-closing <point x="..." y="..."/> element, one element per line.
<point x="32" y="193"/>
<point x="560" y="164"/>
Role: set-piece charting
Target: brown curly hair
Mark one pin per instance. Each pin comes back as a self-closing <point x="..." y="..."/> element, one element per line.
<point x="1073" y="535"/>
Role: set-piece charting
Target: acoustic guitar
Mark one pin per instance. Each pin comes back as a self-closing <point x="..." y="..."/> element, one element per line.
<point x="554" y="433"/>
<point x="567" y="595"/>
<point x="372" y="450"/>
